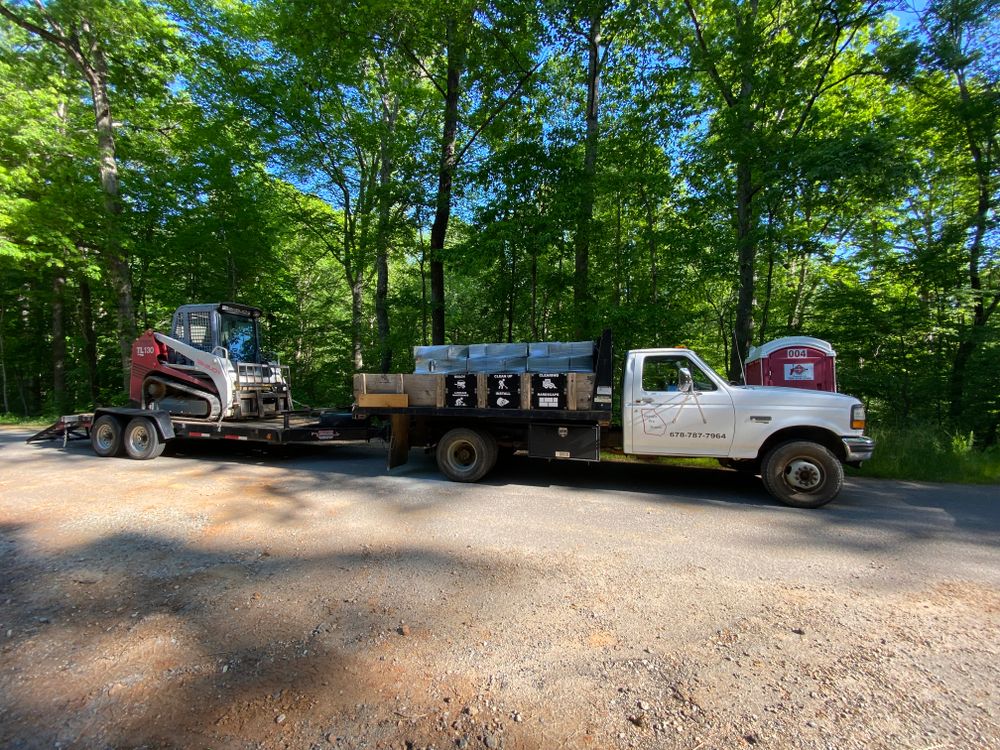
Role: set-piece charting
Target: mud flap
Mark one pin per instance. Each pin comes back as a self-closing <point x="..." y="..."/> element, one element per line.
<point x="399" y="441"/>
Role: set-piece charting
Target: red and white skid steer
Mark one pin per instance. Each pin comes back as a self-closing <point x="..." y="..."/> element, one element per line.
<point x="209" y="379"/>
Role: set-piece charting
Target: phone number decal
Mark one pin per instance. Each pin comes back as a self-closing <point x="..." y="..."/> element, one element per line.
<point x="699" y="435"/>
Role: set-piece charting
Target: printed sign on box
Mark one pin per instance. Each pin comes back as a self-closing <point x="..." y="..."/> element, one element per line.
<point x="548" y="390"/>
<point x="799" y="371"/>
<point x="503" y="390"/>
<point x="460" y="391"/>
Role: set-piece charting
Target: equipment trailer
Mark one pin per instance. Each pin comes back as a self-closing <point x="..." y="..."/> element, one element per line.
<point x="209" y="380"/>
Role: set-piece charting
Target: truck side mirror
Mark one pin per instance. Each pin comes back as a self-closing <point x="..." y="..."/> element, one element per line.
<point x="685" y="383"/>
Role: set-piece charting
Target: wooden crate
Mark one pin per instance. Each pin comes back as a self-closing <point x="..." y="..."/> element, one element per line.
<point x="580" y="391"/>
<point x="420" y="390"/>
<point x="424" y="390"/>
<point x="366" y="382"/>
<point x="383" y="399"/>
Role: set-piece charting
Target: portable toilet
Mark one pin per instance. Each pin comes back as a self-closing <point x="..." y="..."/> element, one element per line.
<point x="793" y="361"/>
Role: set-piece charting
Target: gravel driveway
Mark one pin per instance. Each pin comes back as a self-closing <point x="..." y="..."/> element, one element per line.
<point x="225" y="599"/>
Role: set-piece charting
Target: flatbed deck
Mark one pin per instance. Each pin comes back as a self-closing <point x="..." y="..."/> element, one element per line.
<point x="596" y="416"/>
<point x="281" y="430"/>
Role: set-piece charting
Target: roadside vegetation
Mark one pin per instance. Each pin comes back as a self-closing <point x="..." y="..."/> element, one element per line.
<point x="919" y="454"/>
<point x="380" y="175"/>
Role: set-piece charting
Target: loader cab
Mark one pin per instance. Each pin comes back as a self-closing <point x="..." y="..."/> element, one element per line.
<point x="235" y="328"/>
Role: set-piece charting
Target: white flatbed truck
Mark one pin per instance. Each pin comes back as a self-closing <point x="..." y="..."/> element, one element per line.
<point x="672" y="404"/>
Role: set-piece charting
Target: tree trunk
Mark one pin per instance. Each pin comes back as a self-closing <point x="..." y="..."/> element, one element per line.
<point x="423" y="282"/>
<point x="89" y="338"/>
<point x="512" y="294"/>
<point x="981" y="311"/>
<point x="581" y="293"/>
<point x="3" y="362"/>
<point x="746" y="245"/>
<point x="651" y="232"/>
<point x="534" y="294"/>
<point x="389" y="111"/>
<point x="115" y="257"/>
<point x="58" y="344"/>
<point x="446" y="175"/>
<point x="357" y="300"/>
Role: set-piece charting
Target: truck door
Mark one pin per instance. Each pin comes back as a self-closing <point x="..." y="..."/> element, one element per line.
<point x="663" y="420"/>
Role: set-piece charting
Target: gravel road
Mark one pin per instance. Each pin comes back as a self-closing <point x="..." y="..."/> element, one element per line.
<point x="226" y="599"/>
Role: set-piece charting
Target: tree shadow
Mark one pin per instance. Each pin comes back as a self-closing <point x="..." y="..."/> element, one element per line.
<point x="136" y="640"/>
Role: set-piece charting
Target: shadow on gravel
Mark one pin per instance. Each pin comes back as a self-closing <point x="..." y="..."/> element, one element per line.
<point x="868" y="514"/>
<point x="136" y="640"/>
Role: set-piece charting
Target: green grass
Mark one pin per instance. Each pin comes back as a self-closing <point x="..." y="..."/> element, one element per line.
<point x="931" y="455"/>
<point x="621" y="458"/>
<point x="14" y="419"/>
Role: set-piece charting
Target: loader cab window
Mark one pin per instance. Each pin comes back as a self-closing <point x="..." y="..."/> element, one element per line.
<point x="200" y="331"/>
<point x="239" y="336"/>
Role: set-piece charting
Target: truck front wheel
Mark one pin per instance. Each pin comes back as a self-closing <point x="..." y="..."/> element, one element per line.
<point x="802" y="474"/>
<point x="465" y="455"/>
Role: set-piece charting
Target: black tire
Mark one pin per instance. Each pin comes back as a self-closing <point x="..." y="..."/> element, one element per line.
<point x="465" y="455"/>
<point x="802" y="474"/>
<point x="106" y="436"/>
<point x="141" y="439"/>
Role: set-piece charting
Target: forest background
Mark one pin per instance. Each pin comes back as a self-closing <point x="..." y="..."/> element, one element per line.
<point x="381" y="174"/>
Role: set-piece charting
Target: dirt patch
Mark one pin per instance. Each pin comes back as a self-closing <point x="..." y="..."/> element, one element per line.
<point x="226" y="602"/>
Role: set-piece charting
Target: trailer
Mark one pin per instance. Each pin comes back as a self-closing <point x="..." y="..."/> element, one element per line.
<point x="143" y="434"/>
<point x="210" y="379"/>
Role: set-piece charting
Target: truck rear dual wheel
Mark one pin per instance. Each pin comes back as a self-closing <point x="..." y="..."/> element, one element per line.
<point x="466" y="455"/>
<point x="802" y="474"/>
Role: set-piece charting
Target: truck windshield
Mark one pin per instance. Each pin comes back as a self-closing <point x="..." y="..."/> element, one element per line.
<point x="239" y="336"/>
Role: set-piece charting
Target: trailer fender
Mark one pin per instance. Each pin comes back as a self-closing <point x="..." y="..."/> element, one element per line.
<point x="124" y="413"/>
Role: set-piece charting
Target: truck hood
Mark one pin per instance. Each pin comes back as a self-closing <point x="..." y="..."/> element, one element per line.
<point x="782" y="396"/>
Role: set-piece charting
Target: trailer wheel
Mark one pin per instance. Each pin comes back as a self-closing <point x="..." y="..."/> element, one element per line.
<point x="106" y="436"/>
<point x="465" y="455"/>
<point x="141" y="439"/>
<point x="802" y="474"/>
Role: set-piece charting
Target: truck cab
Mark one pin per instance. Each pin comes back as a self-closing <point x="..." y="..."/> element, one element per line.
<point x="674" y="404"/>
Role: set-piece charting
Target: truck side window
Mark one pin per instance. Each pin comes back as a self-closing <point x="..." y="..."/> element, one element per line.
<point x="659" y="373"/>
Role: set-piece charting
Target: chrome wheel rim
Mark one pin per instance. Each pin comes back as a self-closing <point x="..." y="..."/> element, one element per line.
<point x="462" y="455"/>
<point x="803" y="474"/>
<point x="105" y="437"/>
<point x="138" y="439"/>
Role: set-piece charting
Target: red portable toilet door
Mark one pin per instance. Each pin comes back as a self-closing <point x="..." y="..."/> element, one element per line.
<point x="802" y="367"/>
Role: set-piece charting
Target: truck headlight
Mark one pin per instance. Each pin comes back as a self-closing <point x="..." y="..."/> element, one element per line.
<point x="858" y="417"/>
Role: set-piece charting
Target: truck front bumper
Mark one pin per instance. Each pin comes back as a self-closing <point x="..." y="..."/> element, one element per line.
<point x="858" y="449"/>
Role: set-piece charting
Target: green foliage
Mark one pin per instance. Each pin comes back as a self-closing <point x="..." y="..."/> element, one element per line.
<point x="927" y="455"/>
<point x="281" y="153"/>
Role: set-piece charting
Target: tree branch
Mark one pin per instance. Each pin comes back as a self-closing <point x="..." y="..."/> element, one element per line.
<point x="28" y="26"/>
<point x="713" y="71"/>
<point x="413" y="56"/>
<point x="499" y="108"/>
